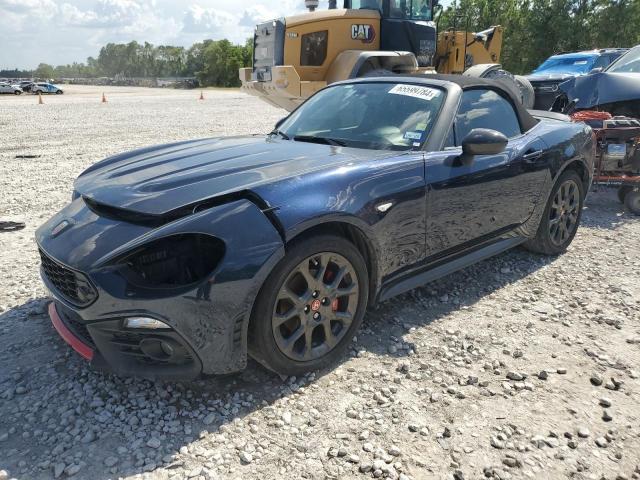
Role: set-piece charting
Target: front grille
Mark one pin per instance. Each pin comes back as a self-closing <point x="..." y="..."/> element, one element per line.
<point x="73" y="286"/>
<point x="545" y="87"/>
<point x="268" y="49"/>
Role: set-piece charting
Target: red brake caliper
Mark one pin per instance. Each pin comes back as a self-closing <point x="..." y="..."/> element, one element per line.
<point x="334" y="305"/>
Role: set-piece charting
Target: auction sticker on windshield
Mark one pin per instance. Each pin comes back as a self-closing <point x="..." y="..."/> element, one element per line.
<point x="425" y="93"/>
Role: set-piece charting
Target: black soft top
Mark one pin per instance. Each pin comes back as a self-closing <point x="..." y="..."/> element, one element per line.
<point x="527" y="122"/>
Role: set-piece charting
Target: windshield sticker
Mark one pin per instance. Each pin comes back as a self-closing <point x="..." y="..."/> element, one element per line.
<point x="425" y="93"/>
<point x="413" y="135"/>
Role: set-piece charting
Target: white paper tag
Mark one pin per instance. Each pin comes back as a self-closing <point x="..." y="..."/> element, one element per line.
<point x="425" y="93"/>
<point x="413" y="136"/>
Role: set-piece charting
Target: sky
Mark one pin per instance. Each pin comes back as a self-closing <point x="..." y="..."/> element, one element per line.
<point x="59" y="32"/>
<point x="63" y="31"/>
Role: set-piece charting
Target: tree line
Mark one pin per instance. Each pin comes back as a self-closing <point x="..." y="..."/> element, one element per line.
<point x="212" y="62"/>
<point x="536" y="29"/>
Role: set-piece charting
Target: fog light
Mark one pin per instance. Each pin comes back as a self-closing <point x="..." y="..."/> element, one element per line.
<point x="145" y="323"/>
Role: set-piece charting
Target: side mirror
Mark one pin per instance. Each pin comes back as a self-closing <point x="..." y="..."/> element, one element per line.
<point x="482" y="141"/>
<point x="596" y="70"/>
<point x="280" y="122"/>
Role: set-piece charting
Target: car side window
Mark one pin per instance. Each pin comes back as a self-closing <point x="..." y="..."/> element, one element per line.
<point x="484" y="108"/>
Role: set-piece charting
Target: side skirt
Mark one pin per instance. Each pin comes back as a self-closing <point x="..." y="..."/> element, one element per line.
<point x="447" y="267"/>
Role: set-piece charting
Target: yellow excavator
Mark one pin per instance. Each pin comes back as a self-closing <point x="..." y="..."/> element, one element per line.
<point x="295" y="57"/>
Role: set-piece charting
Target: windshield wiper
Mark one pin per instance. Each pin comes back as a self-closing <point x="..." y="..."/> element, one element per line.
<point x="324" y="140"/>
<point x="281" y="133"/>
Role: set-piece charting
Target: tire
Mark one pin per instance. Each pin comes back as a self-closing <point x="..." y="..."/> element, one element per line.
<point x="17" y="92"/>
<point x="290" y="337"/>
<point x="59" y="92"/>
<point x="551" y="238"/>
<point x="528" y="94"/>
<point x="503" y="77"/>
<point x="622" y="192"/>
<point x="632" y="201"/>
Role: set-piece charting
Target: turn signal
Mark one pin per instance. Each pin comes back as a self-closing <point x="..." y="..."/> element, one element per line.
<point x="146" y="323"/>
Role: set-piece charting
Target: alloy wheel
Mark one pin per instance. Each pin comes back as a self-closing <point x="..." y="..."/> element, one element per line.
<point x="564" y="213"/>
<point x="315" y="306"/>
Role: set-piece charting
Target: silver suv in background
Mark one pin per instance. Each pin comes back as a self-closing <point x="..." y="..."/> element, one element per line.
<point x="7" y="88"/>
<point x="43" y="87"/>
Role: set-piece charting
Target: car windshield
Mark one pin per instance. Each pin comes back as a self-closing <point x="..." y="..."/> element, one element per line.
<point x="628" y="63"/>
<point x="574" y="65"/>
<point x="380" y="116"/>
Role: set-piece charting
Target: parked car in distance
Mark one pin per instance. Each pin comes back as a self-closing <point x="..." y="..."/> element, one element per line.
<point x="559" y="68"/>
<point x="177" y="260"/>
<point x="7" y="88"/>
<point x="26" y="85"/>
<point x="42" y="87"/>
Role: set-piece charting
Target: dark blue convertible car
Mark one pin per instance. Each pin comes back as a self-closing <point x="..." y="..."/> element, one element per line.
<point x="180" y="260"/>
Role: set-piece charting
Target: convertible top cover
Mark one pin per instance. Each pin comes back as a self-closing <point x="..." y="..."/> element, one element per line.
<point x="527" y="122"/>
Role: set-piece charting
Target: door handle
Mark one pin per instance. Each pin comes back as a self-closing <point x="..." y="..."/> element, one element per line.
<point x="532" y="157"/>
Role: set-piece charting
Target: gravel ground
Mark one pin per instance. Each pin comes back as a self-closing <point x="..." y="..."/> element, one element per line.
<point x="518" y="367"/>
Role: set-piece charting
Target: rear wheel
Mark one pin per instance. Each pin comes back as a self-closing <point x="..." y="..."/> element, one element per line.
<point x="310" y="306"/>
<point x="561" y="216"/>
<point x="632" y="201"/>
<point x="622" y="192"/>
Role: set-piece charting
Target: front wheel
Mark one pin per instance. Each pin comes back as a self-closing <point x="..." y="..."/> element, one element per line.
<point x="310" y="306"/>
<point x="632" y="201"/>
<point x="17" y="92"/>
<point x="58" y="92"/>
<point x="561" y="216"/>
<point x="622" y="192"/>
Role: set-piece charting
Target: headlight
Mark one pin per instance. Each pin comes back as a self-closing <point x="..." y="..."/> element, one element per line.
<point x="173" y="261"/>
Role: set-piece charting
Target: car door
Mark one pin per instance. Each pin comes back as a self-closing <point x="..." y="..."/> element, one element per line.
<point x="494" y="193"/>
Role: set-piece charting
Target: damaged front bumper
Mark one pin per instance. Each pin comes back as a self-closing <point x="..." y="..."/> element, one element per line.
<point x="284" y="90"/>
<point x="206" y="321"/>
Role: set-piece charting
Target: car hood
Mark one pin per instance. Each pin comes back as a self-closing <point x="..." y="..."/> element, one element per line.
<point x="602" y="88"/>
<point x="549" y="77"/>
<point x="160" y="179"/>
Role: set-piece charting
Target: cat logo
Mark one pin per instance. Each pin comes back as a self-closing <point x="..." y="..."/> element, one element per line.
<point x="364" y="33"/>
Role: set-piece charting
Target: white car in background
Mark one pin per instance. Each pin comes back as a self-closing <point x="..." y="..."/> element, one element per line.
<point x="44" y="87"/>
<point x="7" y="88"/>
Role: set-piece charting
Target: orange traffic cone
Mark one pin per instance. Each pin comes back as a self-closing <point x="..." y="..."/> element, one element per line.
<point x="40" y="102"/>
<point x="201" y="95"/>
<point x="104" y="99"/>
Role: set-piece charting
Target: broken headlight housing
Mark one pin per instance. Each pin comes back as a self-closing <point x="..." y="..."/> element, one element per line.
<point x="173" y="261"/>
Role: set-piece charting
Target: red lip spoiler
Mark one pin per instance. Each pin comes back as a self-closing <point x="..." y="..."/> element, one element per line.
<point x="67" y="335"/>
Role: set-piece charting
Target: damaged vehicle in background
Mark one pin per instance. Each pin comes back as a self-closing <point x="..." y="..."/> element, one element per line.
<point x="609" y="101"/>
<point x="178" y="260"/>
<point x="560" y="67"/>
